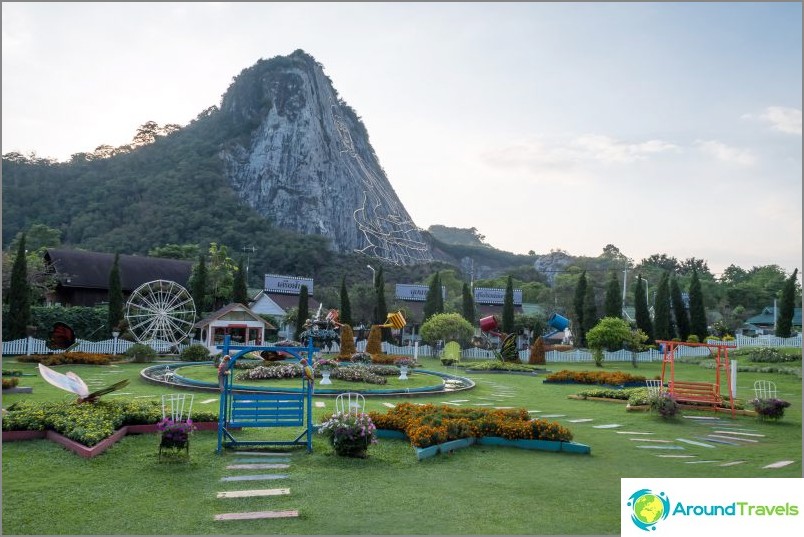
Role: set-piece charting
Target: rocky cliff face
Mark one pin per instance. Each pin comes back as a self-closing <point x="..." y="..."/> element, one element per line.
<point x="304" y="161"/>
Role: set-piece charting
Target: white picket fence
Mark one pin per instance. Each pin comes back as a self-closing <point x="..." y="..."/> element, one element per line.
<point x="32" y="345"/>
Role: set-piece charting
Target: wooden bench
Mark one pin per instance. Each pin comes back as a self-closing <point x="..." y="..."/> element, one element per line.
<point x="696" y="392"/>
<point x="267" y="410"/>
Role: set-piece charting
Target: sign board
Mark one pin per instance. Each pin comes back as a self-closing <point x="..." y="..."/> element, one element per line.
<point x="490" y="295"/>
<point x="415" y="293"/>
<point x="288" y="285"/>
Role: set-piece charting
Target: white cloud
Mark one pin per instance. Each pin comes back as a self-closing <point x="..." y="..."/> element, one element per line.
<point x="781" y="118"/>
<point x="721" y="151"/>
<point x="607" y="149"/>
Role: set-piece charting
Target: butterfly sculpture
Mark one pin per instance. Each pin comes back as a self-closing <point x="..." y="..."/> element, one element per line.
<point x="74" y="384"/>
<point x="508" y="352"/>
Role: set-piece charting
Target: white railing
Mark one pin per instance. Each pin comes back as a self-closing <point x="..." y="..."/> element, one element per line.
<point x="32" y="345"/>
<point x="760" y="341"/>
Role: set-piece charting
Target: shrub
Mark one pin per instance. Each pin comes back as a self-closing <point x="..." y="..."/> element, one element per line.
<point x="361" y="358"/>
<point x="195" y="353"/>
<point x="537" y="352"/>
<point x="347" y="342"/>
<point x="64" y="358"/>
<point x="693" y="339"/>
<point x="615" y="378"/>
<point x="140" y="352"/>
<point x="665" y="404"/>
<point x="374" y="343"/>
<point x="10" y="382"/>
<point x="496" y="365"/>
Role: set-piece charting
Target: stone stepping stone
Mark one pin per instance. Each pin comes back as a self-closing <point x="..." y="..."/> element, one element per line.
<point x="257" y="515"/>
<point x="732" y="438"/>
<point x="262" y="453"/>
<point x="320" y="404"/>
<point x="482" y="404"/>
<point x="698" y="462"/>
<point x="610" y="426"/>
<point x="660" y="447"/>
<point x="143" y="396"/>
<point x="259" y="460"/>
<point x="502" y="395"/>
<point x="389" y="405"/>
<point x="581" y="420"/>
<point x="553" y="416"/>
<point x="678" y="456"/>
<point x="706" y="418"/>
<point x="719" y="441"/>
<point x="535" y="411"/>
<point x="736" y="433"/>
<point x="119" y="393"/>
<point x="503" y="407"/>
<point x="257" y="466"/>
<point x="658" y="440"/>
<point x="208" y="401"/>
<point x="694" y="443"/>
<point x="779" y="464"/>
<point x="631" y="432"/>
<point x="253" y="493"/>
<point x="460" y="401"/>
<point x="257" y="477"/>
<point x="450" y="403"/>
<point x="732" y="463"/>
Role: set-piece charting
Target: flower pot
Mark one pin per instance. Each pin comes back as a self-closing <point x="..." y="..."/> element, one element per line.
<point x="403" y="372"/>
<point x="325" y="373"/>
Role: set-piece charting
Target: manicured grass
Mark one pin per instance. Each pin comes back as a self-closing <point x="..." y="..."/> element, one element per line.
<point x="477" y="490"/>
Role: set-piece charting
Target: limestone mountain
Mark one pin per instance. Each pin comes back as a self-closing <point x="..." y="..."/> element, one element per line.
<point x="307" y="164"/>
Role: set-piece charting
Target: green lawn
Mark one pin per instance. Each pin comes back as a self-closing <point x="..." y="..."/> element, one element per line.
<point x="478" y="490"/>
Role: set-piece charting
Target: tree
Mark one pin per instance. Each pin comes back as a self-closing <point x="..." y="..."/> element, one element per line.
<point x="508" y="307"/>
<point x="19" y="295"/>
<point x="346" y="306"/>
<point x="643" y="321"/>
<point x="434" y="301"/>
<point x="198" y="285"/>
<point x="468" y="303"/>
<point x="784" y="323"/>
<point x="698" y="324"/>
<point x="239" y="289"/>
<point x="220" y="275"/>
<point x="662" y="324"/>
<point x="613" y="303"/>
<point x="115" y="296"/>
<point x="303" y="312"/>
<point x="446" y="327"/>
<point x="682" y="319"/>
<point x="589" y="309"/>
<point x="381" y="311"/>
<point x="577" y="304"/>
<point x="611" y="334"/>
<point x="347" y="342"/>
<point x="175" y="251"/>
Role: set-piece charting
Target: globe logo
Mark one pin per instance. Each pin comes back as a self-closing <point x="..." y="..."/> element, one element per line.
<point x="648" y="508"/>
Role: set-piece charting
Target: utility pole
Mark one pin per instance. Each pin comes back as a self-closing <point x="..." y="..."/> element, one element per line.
<point x="248" y="250"/>
<point x="625" y="278"/>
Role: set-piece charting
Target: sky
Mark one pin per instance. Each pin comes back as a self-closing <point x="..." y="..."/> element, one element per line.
<point x="661" y="127"/>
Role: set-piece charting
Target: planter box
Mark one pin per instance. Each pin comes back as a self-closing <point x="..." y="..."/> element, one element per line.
<point x="18" y="389"/>
<point x="97" y="449"/>
<point x="542" y="445"/>
<point x="452" y="445"/>
<point x="426" y="453"/>
<point x="390" y="433"/>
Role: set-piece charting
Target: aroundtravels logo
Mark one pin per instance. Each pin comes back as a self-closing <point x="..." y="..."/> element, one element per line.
<point x="648" y="508"/>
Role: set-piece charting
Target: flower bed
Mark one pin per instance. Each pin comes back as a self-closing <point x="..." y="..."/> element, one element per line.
<point x="614" y="379"/>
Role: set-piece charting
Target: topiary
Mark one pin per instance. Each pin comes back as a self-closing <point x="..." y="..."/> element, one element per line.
<point x="374" y="343"/>
<point x="347" y="342"/>
<point x="537" y="352"/>
<point x="195" y="353"/>
<point x="140" y="353"/>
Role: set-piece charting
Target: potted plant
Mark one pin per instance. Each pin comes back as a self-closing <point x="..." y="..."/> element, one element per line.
<point x="175" y="434"/>
<point x="350" y="434"/>
<point x="665" y="404"/>
<point x="770" y="409"/>
<point x="325" y="365"/>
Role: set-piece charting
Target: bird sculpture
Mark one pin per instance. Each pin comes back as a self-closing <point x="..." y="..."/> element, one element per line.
<point x="62" y="337"/>
<point x="307" y="371"/>
<point x="74" y="384"/>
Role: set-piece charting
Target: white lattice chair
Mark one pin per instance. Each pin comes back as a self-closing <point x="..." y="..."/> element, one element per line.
<point x="350" y="403"/>
<point x="765" y="389"/>
<point x="655" y="388"/>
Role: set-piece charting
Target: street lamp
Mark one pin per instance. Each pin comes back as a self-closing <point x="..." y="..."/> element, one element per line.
<point x="115" y="335"/>
<point x="250" y="250"/>
<point x="647" y="291"/>
<point x="373" y="274"/>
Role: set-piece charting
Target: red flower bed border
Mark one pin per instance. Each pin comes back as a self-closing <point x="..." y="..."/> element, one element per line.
<point x="103" y="445"/>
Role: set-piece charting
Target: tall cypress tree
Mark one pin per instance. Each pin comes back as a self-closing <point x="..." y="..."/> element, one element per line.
<point x="784" y="323"/>
<point x="19" y="295"/>
<point x="304" y="312"/>
<point x="382" y="307"/>
<point x="613" y="304"/>
<point x="468" y="304"/>
<point x="198" y="286"/>
<point x="577" y="306"/>
<point x="680" y="314"/>
<point x="589" y="309"/>
<point x="115" y="296"/>
<point x="508" y="307"/>
<point x="433" y="298"/>
<point x="239" y="289"/>
<point x="346" y="305"/>
<point x="697" y="310"/>
<point x="643" y="321"/>
<point x="662" y="325"/>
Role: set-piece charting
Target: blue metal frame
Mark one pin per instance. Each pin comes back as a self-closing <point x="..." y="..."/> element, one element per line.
<point x="265" y="410"/>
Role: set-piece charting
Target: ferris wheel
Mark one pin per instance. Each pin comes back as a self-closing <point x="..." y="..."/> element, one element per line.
<point x="160" y="310"/>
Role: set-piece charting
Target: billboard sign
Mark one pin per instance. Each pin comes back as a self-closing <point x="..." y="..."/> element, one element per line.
<point x="415" y="293"/>
<point x="491" y="295"/>
<point x="288" y="285"/>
